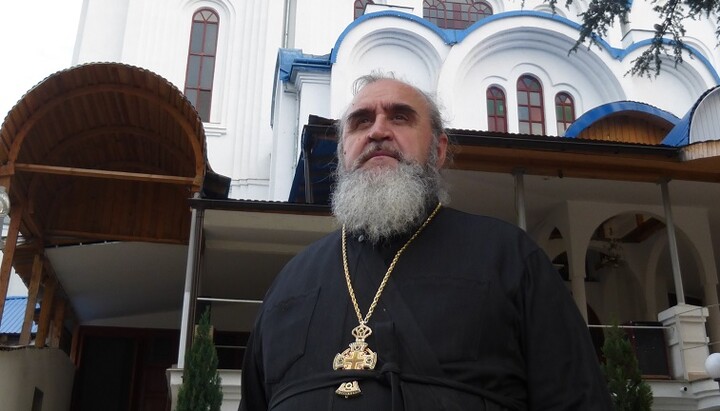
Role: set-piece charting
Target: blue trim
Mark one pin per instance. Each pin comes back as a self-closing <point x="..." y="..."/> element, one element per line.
<point x="679" y="136"/>
<point x="600" y="112"/>
<point x="291" y="61"/>
<point x="451" y="37"/>
<point x="695" y="53"/>
<point x="448" y="36"/>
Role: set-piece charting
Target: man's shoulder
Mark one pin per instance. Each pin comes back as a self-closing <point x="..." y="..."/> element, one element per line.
<point x="471" y="221"/>
<point x="305" y="270"/>
<point x="315" y="254"/>
<point x="484" y="231"/>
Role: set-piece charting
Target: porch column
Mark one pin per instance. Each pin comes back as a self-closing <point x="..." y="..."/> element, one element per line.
<point x="576" y="248"/>
<point x="46" y="307"/>
<point x="56" y="328"/>
<point x="672" y="243"/>
<point x="520" y="198"/>
<point x="711" y="302"/>
<point x="191" y="274"/>
<point x="8" y="253"/>
<point x="33" y="290"/>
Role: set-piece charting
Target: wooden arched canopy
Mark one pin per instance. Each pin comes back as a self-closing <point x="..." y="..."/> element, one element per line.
<point x="102" y="151"/>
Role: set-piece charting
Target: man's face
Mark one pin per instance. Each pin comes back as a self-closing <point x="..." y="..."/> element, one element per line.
<point x="386" y="122"/>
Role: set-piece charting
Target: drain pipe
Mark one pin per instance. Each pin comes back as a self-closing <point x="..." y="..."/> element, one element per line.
<point x="190" y="292"/>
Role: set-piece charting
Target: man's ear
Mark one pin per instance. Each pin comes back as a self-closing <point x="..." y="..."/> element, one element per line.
<point x="441" y="150"/>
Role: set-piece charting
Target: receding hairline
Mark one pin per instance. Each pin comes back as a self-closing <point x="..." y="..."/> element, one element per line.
<point x="360" y="86"/>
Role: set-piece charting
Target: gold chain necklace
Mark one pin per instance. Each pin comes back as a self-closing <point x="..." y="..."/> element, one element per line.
<point x="358" y="356"/>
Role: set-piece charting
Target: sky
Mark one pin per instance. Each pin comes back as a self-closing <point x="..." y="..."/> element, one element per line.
<point x="37" y="38"/>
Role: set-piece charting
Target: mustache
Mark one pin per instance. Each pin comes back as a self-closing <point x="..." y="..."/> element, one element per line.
<point x="376" y="149"/>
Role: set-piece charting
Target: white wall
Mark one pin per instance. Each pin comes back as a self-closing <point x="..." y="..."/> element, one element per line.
<point x="48" y="369"/>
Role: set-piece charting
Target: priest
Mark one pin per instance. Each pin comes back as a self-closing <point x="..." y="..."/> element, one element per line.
<point x="412" y="305"/>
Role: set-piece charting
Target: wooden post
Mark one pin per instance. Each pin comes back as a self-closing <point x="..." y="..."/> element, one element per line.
<point x="57" y="324"/>
<point x="8" y="253"/>
<point x="37" y="270"/>
<point x="46" y="307"/>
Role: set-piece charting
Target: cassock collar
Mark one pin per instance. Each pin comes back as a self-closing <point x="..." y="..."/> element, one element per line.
<point x="393" y="243"/>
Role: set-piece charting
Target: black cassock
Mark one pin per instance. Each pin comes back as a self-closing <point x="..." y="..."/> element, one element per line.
<point x="474" y="317"/>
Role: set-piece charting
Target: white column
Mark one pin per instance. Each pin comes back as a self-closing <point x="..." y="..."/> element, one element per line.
<point x="191" y="273"/>
<point x="672" y="243"/>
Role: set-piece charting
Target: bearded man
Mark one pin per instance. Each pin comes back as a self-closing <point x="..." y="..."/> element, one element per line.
<point x="412" y="305"/>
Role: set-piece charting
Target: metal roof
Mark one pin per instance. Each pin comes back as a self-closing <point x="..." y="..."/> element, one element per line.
<point x="13" y="315"/>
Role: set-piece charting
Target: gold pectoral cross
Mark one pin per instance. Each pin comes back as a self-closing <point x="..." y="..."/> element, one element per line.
<point x="357" y="357"/>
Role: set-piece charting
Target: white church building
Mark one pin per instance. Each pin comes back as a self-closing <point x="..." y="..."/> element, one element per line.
<point x="188" y="153"/>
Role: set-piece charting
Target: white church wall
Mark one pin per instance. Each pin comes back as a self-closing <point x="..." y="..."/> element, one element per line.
<point x="500" y="53"/>
<point x="286" y="140"/>
<point x="320" y="23"/>
<point x="100" y="35"/>
<point x="413" y="52"/>
<point x="684" y="84"/>
<point x="155" y="36"/>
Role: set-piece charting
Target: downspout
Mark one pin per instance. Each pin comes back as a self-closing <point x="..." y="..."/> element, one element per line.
<point x="286" y="25"/>
<point x="191" y="276"/>
<point x="672" y="243"/>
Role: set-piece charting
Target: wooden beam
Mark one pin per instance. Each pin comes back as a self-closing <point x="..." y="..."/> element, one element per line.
<point x="46" y="308"/>
<point x="56" y="329"/>
<point x="37" y="270"/>
<point x="57" y="236"/>
<point x="8" y="253"/>
<point x="107" y="174"/>
<point x="75" y="344"/>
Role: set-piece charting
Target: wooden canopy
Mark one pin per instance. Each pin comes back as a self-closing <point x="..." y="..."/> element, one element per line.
<point x="98" y="152"/>
<point x="103" y="152"/>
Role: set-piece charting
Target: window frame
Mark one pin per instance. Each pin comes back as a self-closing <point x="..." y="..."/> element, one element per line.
<point x="459" y="16"/>
<point x="531" y="101"/>
<point x="198" y="82"/>
<point x="493" y="95"/>
<point x="561" y="120"/>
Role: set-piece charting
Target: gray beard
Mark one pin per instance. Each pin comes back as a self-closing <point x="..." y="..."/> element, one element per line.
<point x="385" y="202"/>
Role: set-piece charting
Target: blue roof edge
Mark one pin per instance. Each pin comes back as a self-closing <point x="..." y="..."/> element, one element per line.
<point x="602" y="111"/>
<point x="456" y="36"/>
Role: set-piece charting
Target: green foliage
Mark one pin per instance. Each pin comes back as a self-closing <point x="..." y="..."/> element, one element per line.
<point x="201" y="389"/>
<point x="627" y="388"/>
<point x="669" y="31"/>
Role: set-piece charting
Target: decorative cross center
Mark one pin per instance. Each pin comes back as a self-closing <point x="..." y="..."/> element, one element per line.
<point x="356" y="357"/>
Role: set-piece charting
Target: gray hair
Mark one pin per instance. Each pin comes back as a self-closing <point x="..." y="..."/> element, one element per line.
<point x="437" y="124"/>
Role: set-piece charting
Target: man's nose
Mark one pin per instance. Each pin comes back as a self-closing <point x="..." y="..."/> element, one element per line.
<point x="380" y="129"/>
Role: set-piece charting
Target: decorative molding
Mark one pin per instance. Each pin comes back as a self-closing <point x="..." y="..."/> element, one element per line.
<point x="214" y="130"/>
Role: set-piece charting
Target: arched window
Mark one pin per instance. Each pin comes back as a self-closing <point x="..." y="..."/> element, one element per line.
<point x="564" y="112"/>
<point x="455" y="14"/>
<point x="531" y="117"/>
<point x="496" y="113"/>
<point x="360" y="7"/>
<point x="201" y="61"/>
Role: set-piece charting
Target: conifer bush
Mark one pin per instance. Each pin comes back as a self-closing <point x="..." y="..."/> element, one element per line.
<point x="201" y="389"/>
<point x="628" y="390"/>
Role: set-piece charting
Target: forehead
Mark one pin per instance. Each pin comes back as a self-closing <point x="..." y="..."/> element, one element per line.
<point x="384" y="93"/>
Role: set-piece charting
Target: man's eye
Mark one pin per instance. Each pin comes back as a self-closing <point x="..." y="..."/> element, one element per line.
<point x="362" y="122"/>
<point x="400" y="117"/>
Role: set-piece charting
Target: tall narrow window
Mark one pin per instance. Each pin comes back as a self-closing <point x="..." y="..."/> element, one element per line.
<point x="531" y="118"/>
<point x="564" y="112"/>
<point x="455" y="14"/>
<point x="201" y="61"/>
<point x="496" y="113"/>
<point x="360" y="7"/>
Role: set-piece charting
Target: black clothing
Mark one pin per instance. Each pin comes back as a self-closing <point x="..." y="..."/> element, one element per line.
<point x="474" y="317"/>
